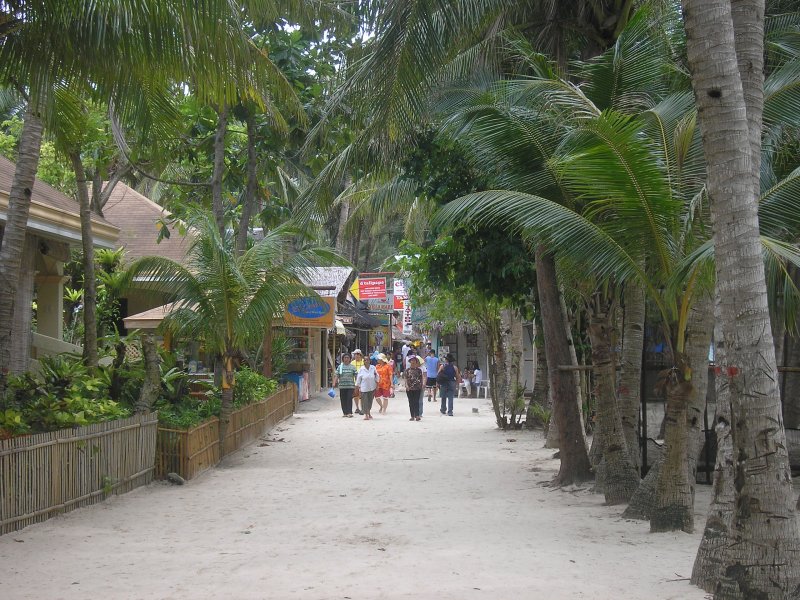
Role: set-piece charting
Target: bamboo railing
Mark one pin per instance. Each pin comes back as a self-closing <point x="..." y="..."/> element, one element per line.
<point x="187" y="452"/>
<point x="190" y="452"/>
<point x="45" y="474"/>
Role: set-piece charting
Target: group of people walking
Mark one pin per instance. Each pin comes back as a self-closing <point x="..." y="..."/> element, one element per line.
<point x="361" y="382"/>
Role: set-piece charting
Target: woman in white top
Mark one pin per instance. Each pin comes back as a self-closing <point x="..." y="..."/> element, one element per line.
<point x="367" y="381"/>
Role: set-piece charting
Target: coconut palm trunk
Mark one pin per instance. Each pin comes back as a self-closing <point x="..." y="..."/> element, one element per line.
<point x="87" y="245"/>
<point x="764" y="561"/>
<point x="509" y="359"/>
<point x="493" y="349"/>
<point x="620" y="477"/>
<point x="698" y="338"/>
<point x="699" y="330"/>
<point x="575" y="465"/>
<point x="344" y="215"/>
<point x="13" y="240"/>
<point x="152" y="380"/>
<point x="217" y="202"/>
<point x="709" y="563"/>
<point x="251" y="189"/>
<point x="673" y="504"/>
<point x="226" y="407"/>
<point x="630" y="383"/>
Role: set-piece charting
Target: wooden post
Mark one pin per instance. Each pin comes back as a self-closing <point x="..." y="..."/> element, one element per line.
<point x="266" y="352"/>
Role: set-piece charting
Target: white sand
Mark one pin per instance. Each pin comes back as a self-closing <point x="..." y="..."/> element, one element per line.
<point x="447" y="508"/>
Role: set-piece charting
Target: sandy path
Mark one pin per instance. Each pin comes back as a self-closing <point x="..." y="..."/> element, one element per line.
<point x="447" y="508"/>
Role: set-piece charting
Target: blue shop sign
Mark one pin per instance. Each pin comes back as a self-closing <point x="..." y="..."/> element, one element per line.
<point x="308" y="308"/>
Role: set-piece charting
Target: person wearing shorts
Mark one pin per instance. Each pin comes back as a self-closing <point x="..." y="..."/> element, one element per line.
<point x="431" y="369"/>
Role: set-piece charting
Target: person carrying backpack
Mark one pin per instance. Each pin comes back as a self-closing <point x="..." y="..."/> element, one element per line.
<point x="448" y="379"/>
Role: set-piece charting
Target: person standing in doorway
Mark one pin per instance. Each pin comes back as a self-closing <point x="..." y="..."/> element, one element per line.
<point x="346" y="380"/>
<point x="448" y="379"/>
<point x="414" y="383"/>
<point x="367" y="381"/>
<point x="358" y="362"/>
<point x="477" y="377"/>
<point x="384" y="390"/>
<point x="431" y="369"/>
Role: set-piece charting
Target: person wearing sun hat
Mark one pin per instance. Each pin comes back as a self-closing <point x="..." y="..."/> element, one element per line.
<point x="385" y="373"/>
<point x="358" y="362"/>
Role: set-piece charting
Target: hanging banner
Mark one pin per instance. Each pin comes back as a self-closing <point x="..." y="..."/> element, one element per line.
<point x="398" y="303"/>
<point x="407" y="325"/>
<point x="372" y="288"/>
<point x="400" y="288"/>
<point x="381" y="306"/>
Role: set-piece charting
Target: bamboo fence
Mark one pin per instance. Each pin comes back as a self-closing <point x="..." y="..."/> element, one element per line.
<point x="46" y="474"/>
<point x="249" y="422"/>
<point x="190" y="452"/>
<point x="187" y="452"/>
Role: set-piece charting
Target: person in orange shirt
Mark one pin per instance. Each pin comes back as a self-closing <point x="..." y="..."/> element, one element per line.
<point x="385" y="373"/>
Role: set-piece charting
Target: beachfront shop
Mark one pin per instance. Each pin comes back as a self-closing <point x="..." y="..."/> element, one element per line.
<point x="306" y="322"/>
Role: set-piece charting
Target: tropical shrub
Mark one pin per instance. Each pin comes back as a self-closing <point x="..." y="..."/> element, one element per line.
<point x="249" y="387"/>
<point x="188" y="412"/>
<point x="62" y="394"/>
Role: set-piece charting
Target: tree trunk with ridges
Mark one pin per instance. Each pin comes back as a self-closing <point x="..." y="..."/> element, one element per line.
<point x="631" y="377"/>
<point x="217" y="201"/>
<point x="87" y="245"/>
<point x="575" y="465"/>
<point x="709" y="564"/>
<point x="764" y="560"/>
<point x="620" y="478"/>
<point x="673" y="504"/>
<point x="151" y="386"/>
<point x="13" y="242"/>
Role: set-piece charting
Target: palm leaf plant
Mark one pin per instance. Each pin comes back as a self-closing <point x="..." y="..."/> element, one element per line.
<point x="637" y="185"/>
<point x="604" y="200"/>
<point x="227" y="299"/>
<point x="118" y="52"/>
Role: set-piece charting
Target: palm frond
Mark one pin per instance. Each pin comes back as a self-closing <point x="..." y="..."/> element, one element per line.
<point x="607" y="163"/>
<point x="629" y="75"/>
<point x="779" y="208"/>
<point x="782" y="95"/>
<point x="782" y="293"/>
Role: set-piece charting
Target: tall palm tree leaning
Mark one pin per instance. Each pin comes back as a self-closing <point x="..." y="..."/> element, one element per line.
<point x="224" y="298"/>
<point x="725" y="48"/>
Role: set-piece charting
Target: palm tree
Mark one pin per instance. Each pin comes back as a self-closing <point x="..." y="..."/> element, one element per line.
<point x="121" y="53"/>
<point x="422" y="45"/>
<point x="728" y="86"/>
<point x="225" y="298"/>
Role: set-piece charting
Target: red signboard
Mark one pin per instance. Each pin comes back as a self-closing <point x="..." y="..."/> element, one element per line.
<point x="372" y="288"/>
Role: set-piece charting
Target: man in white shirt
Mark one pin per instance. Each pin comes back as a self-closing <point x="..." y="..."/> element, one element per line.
<point x="477" y="377"/>
<point x="404" y="351"/>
